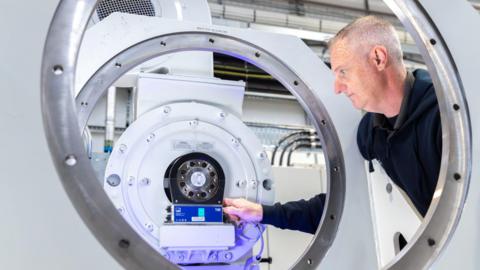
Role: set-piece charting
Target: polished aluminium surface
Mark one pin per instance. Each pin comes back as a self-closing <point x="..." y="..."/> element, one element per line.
<point x="73" y="165"/>
<point x="453" y="182"/>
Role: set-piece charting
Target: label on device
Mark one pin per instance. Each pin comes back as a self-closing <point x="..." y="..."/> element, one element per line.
<point x="197" y="214"/>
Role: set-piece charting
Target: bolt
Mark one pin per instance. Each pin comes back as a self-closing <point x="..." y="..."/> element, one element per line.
<point x="253" y="183"/>
<point x="122" y="148"/>
<point x="235" y="142"/>
<point x="262" y="155"/>
<point x="131" y="181"/>
<point x="193" y="123"/>
<point x="121" y="210"/>
<point x="145" y="181"/>
<point x="150" y="137"/>
<point x="149" y="227"/>
<point x="241" y="183"/>
<point x="167" y="110"/>
<point x="228" y="256"/>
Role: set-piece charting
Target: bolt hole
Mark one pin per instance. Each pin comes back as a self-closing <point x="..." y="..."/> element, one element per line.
<point x="309" y="261"/>
<point x="433" y="41"/>
<point x="431" y="242"/>
<point x="257" y="54"/>
<point x="58" y="70"/>
<point x="124" y="243"/>
<point x="295" y="83"/>
<point x="118" y="65"/>
<point x="323" y="122"/>
<point x="456" y="107"/>
<point x="267" y="184"/>
<point x="71" y="160"/>
<point x="163" y="43"/>
<point x="332" y="217"/>
<point x="211" y="40"/>
<point x="457" y="176"/>
<point x="335" y="169"/>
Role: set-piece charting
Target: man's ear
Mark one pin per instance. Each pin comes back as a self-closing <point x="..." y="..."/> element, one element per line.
<point x="379" y="57"/>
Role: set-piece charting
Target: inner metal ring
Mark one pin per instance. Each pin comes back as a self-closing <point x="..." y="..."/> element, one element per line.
<point x="197" y="180"/>
<point x="58" y="69"/>
<point x="200" y="40"/>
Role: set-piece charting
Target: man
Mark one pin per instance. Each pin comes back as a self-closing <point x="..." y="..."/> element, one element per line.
<point x="401" y="128"/>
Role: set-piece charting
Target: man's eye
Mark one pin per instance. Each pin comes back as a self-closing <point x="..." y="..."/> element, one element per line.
<point x="343" y="72"/>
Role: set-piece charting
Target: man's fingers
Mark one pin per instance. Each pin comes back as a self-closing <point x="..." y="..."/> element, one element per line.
<point x="232" y="202"/>
<point x="231" y="210"/>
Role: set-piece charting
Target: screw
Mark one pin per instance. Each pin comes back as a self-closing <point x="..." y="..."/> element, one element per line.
<point x="131" y="181"/>
<point x="228" y="256"/>
<point x="149" y="227"/>
<point x="150" y="137"/>
<point x="167" y="110"/>
<point x="145" y="181"/>
<point x="123" y="148"/>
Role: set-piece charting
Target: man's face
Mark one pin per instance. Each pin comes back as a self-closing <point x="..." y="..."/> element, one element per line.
<point x="354" y="76"/>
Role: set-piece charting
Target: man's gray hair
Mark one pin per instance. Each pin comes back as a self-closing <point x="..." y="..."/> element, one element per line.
<point x="368" y="31"/>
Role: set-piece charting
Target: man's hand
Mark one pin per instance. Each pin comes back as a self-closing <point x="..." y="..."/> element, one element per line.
<point x="241" y="210"/>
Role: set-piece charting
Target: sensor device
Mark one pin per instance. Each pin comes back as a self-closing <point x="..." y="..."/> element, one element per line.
<point x="184" y="214"/>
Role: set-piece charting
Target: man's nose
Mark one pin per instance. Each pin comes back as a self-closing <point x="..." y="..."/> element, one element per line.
<point x="339" y="87"/>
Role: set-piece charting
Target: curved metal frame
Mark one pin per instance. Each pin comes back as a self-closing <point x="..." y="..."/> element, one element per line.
<point x="77" y="174"/>
<point x="64" y="136"/>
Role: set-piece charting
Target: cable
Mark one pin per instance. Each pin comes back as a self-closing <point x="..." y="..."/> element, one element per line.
<point x="303" y="132"/>
<point x="255" y="260"/>
<point x="310" y="139"/>
<point x="298" y="146"/>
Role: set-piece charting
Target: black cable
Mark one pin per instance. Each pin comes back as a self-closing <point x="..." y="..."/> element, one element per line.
<point x="310" y="139"/>
<point x="303" y="132"/>
<point x="298" y="146"/>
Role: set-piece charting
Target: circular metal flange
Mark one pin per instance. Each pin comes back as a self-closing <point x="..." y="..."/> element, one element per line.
<point x="454" y="177"/>
<point x="65" y="141"/>
<point x="196" y="178"/>
<point x="95" y="208"/>
<point x="200" y="40"/>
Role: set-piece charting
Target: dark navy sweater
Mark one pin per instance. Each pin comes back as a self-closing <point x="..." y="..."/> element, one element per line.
<point x="410" y="153"/>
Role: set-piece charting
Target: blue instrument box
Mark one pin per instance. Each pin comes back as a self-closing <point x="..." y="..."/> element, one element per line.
<point x="197" y="214"/>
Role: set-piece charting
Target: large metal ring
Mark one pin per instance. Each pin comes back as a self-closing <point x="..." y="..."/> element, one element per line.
<point x="74" y="167"/>
<point x="63" y="133"/>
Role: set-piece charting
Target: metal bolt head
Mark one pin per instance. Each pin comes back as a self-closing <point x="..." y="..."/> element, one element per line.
<point x="242" y="183"/>
<point x="222" y="115"/>
<point x="122" y="148"/>
<point x="235" y="142"/>
<point x="228" y="256"/>
<point x="150" y="137"/>
<point x="145" y="181"/>
<point x="131" y="180"/>
<point x="149" y="227"/>
<point x="193" y="123"/>
<point x="167" y="110"/>
<point x="253" y="184"/>
<point x="262" y="155"/>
